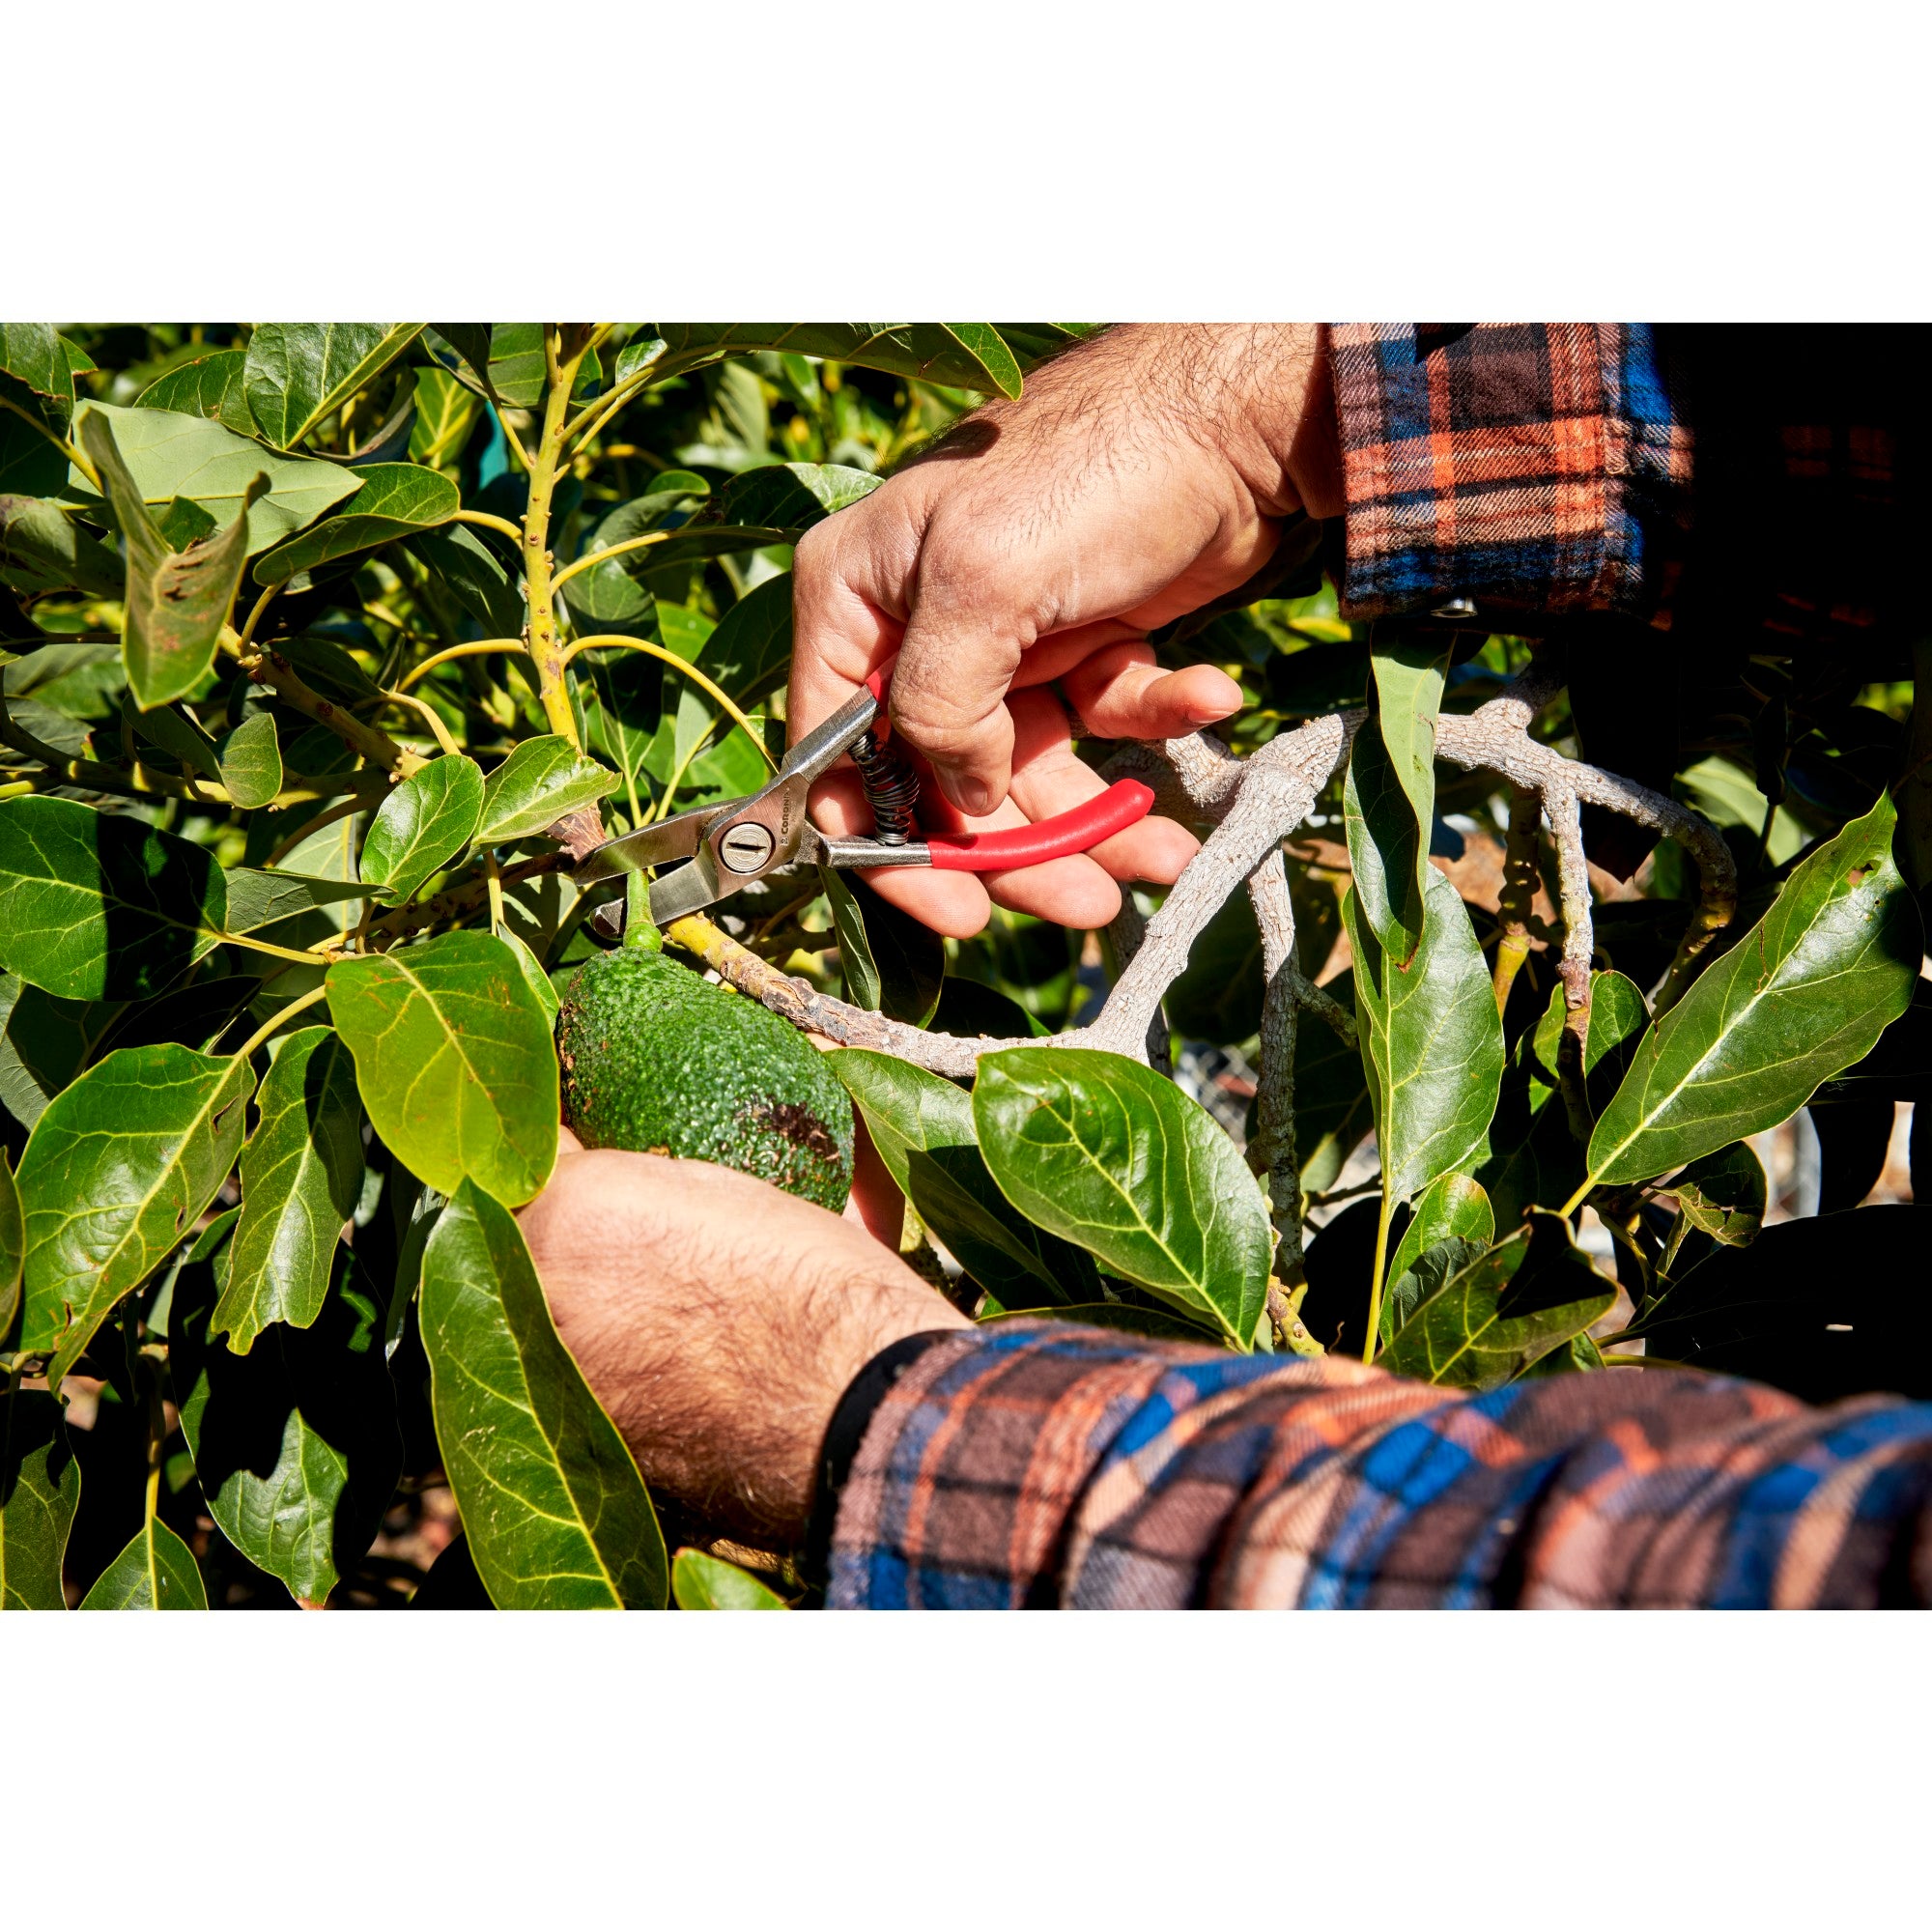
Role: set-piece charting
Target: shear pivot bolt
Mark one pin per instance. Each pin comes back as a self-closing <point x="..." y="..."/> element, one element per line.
<point x="745" y="848"/>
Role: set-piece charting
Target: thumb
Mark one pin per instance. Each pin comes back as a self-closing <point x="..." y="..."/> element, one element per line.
<point x="948" y="697"/>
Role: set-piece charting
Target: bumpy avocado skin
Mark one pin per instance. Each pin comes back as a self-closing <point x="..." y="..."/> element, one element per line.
<point x="657" y="1059"/>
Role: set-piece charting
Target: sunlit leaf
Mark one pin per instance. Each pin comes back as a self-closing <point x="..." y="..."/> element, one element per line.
<point x="118" y="1166"/>
<point x="43" y="549"/>
<point x="251" y="761"/>
<point x="209" y="386"/>
<point x="1452" y="1208"/>
<point x="297" y="373"/>
<point x="39" y="1492"/>
<point x="700" y="1581"/>
<point x="1105" y="1152"/>
<point x="301" y="1174"/>
<point x="424" y="823"/>
<point x="454" y="1062"/>
<point x="155" y="1572"/>
<point x="965" y="355"/>
<point x="1389" y="795"/>
<point x="396" y="500"/>
<point x="541" y="780"/>
<point x="556" y="1512"/>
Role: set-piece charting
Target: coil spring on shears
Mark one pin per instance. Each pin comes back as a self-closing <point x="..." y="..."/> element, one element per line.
<point x="892" y="789"/>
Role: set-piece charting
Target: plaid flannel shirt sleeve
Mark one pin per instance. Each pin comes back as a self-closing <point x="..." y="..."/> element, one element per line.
<point x="1040" y="1464"/>
<point x="1539" y="466"/>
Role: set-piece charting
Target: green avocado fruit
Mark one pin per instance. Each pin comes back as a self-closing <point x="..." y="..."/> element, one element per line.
<point x="657" y="1059"/>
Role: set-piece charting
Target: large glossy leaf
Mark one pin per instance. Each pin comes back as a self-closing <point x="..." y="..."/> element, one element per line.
<point x="13" y="1245"/>
<point x="155" y="1572"/>
<point x="1389" y="795"/>
<point x="302" y="1175"/>
<point x="454" y="1062"/>
<point x="424" y="823"/>
<point x="93" y="905"/>
<point x="557" y="1515"/>
<point x="1618" y="1015"/>
<point x="39" y="1490"/>
<point x="1105" y="1152"/>
<point x="700" y="1581"/>
<point x="295" y="1443"/>
<point x="474" y="577"/>
<point x="541" y="780"/>
<point x="172" y="455"/>
<point x="1803" y="995"/>
<point x="30" y="352"/>
<point x="611" y="593"/>
<point x="923" y="1128"/>
<point x="40" y="549"/>
<point x="177" y="600"/>
<point x="1452" y="1208"/>
<point x="516" y="362"/>
<point x="963" y="355"/>
<point x="118" y="1166"/>
<point x="396" y="500"/>
<point x="297" y="373"/>
<point x="45" y="1041"/>
<point x="1501" y="1309"/>
<point x="209" y="386"/>
<point x="750" y="652"/>
<point x="445" y="410"/>
<point x="1432" y="1042"/>
<point x="794" y="496"/>
<point x="259" y="897"/>
<point x="251" y="761"/>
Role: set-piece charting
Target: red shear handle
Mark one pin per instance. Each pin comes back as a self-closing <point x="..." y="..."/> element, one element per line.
<point x="1116" y="808"/>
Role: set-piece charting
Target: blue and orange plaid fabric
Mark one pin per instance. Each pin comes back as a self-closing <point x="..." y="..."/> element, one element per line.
<point x="1040" y="1463"/>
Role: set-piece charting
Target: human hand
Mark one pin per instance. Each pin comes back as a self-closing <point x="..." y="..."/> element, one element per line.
<point x="1142" y="474"/>
<point x="718" y="1320"/>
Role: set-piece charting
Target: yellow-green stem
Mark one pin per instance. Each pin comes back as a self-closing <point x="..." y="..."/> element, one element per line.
<point x="546" y="646"/>
<point x="485" y="521"/>
<point x="483" y="647"/>
<point x="279" y="1020"/>
<point x="1374" y="1336"/>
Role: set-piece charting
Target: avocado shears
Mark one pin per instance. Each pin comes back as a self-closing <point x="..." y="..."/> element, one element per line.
<point x="730" y="844"/>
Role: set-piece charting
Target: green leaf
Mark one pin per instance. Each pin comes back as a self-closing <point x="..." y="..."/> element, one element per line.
<point x="445" y="411"/>
<point x="45" y="1041"/>
<point x="1452" y="1208"/>
<point x="1389" y="794"/>
<point x="1130" y="1318"/>
<point x="961" y="355"/>
<point x="177" y="601"/>
<point x="1722" y="1195"/>
<point x="1034" y="342"/>
<point x="396" y="500"/>
<point x="454" y="1062"/>
<point x="251" y="761"/>
<point x="301" y="1176"/>
<point x="171" y="455"/>
<point x="13" y="1245"/>
<point x="923" y="1128"/>
<point x="516" y="365"/>
<point x="118" y="1166"/>
<point x="1501" y="1309"/>
<point x="97" y="906"/>
<point x="424" y="823"/>
<point x="534" y="976"/>
<point x="1332" y="1108"/>
<point x="1618" y="1014"/>
<point x="611" y="593"/>
<point x="176" y="733"/>
<point x="557" y="1515"/>
<point x="1804" y="994"/>
<point x="257" y="897"/>
<point x="39" y="1492"/>
<point x="30" y="352"/>
<point x="474" y="577"/>
<point x="155" y="1572"/>
<point x="1432" y="1042"/>
<point x="541" y="780"/>
<point x="40" y="549"/>
<point x="702" y="1583"/>
<point x="750" y="653"/>
<point x="209" y="386"/>
<point x="297" y="373"/>
<point x="182" y="524"/>
<point x="295" y="1443"/>
<point x="900" y="961"/>
<point x="1105" y="1151"/>
<point x="794" y="496"/>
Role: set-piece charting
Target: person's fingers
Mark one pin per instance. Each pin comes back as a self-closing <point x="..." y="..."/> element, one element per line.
<point x="1119" y="691"/>
<point x="567" y="1142"/>
<point x="953" y="905"/>
<point x="948" y="695"/>
<point x="848" y="602"/>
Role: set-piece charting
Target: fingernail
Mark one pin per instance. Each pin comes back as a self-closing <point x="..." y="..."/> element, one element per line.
<point x="972" y="796"/>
